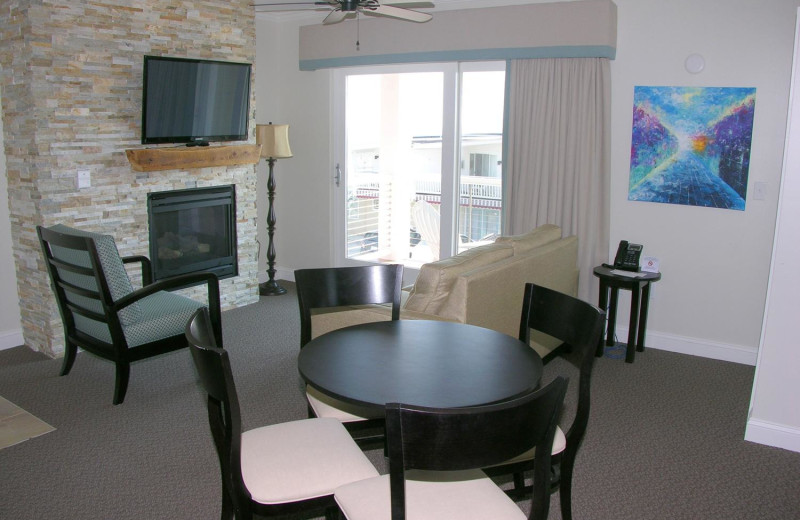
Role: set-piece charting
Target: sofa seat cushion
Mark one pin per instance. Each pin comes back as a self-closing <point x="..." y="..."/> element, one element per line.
<point x="436" y="279"/>
<point x="540" y="236"/>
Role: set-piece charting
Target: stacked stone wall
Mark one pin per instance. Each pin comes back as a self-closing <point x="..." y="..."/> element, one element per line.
<point x="71" y="79"/>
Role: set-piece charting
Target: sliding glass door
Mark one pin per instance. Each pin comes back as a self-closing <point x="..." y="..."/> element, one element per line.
<point x="418" y="160"/>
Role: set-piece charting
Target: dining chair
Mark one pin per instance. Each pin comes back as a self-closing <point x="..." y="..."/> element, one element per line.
<point x="342" y="287"/>
<point x="103" y="314"/>
<point x="435" y="456"/>
<point x="579" y="325"/>
<point x="273" y="470"/>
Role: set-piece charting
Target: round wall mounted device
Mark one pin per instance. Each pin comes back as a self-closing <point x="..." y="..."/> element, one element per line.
<point x="694" y="63"/>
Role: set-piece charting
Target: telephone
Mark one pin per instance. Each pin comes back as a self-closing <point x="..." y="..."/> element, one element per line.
<point x="627" y="257"/>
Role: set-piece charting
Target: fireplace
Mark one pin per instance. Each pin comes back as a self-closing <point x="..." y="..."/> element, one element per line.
<point x="193" y="230"/>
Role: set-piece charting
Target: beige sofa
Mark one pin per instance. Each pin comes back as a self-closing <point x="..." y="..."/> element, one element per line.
<point x="481" y="286"/>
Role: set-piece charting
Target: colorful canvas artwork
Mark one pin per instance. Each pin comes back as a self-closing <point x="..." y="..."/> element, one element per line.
<point x="691" y="145"/>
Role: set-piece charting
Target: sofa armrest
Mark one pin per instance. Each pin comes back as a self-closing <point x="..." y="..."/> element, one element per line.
<point x="491" y="296"/>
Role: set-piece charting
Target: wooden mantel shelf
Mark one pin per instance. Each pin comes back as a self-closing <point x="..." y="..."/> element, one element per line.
<point x="156" y="159"/>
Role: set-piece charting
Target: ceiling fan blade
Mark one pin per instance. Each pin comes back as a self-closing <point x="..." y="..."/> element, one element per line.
<point x="336" y="16"/>
<point x="290" y="3"/>
<point x="290" y="6"/>
<point x="416" y="4"/>
<point x="400" y="13"/>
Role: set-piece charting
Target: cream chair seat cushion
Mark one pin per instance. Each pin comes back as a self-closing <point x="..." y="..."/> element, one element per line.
<point x="325" y="406"/>
<point x="559" y="445"/>
<point x="302" y="459"/>
<point x="328" y="320"/>
<point x="430" y="495"/>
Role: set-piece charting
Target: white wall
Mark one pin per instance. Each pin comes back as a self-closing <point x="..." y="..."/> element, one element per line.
<point x="10" y="326"/>
<point x="715" y="262"/>
<point x="303" y="194"/>
<point x="774" y="415"/>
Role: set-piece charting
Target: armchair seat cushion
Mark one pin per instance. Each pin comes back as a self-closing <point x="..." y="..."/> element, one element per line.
<point x="430" y="495"/>
<point x="163" y="315"/>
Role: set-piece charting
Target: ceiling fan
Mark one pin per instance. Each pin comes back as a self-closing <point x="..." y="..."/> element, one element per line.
<point x="342" y="9"/>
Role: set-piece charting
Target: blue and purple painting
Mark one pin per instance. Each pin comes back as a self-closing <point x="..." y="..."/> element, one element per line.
<point x="691" y="145"/>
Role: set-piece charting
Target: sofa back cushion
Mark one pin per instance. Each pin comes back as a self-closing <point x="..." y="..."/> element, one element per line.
<point x="525" y="243"/>
<point x="436" y="279"/>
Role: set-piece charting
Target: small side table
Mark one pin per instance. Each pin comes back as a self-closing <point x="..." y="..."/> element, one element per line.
<point x="639" y="285"/>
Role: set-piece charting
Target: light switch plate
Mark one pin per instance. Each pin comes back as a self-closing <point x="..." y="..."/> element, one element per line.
<point x="84" y="178"/>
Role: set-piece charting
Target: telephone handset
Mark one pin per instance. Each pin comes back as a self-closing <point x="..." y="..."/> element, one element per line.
<point x="627" y="257"/>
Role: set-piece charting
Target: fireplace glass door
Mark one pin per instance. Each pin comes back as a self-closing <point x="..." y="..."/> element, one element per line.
<point x="193" y="230"/>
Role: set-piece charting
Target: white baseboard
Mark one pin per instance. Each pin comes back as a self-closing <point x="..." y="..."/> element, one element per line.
<point x="695" y="347"/>
<point x="11" y="339"/>
<point x="772" y="434"/>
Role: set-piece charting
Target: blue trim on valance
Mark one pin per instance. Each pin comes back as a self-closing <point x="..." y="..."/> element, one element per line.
<point x="577" y="51"/>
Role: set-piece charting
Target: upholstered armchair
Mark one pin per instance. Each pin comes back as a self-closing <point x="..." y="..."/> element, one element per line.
<point x="101" y="311"/>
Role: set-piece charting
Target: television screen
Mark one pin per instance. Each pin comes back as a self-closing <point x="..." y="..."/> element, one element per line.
<point x="194" y="101"/>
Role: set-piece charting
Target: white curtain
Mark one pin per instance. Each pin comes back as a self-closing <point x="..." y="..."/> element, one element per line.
<point x="557" y="159"/>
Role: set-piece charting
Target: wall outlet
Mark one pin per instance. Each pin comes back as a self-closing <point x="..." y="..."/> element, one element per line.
<point x="84" y="178"/>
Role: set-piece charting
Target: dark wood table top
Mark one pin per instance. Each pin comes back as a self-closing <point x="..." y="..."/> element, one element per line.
<point x="622" y="277"/>
<point x="425" y="363"/>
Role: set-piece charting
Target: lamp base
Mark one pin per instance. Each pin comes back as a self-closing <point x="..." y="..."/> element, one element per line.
<point x="270" y="288"/>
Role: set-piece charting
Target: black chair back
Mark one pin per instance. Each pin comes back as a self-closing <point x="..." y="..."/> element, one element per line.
<point x="224" y="416"/>
<point x="342" y="286"/>
<point x="580" y="326"/>
<point x="475" y="437"/>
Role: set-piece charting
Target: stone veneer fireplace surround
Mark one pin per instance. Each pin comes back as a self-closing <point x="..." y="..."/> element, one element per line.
<point x="71" y="78"/>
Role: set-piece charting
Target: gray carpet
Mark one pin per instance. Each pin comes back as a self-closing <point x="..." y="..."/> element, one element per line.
<point x="664" y="439"/>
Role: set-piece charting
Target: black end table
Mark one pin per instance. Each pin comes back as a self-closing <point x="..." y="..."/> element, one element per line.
<point x="639" y="285"/>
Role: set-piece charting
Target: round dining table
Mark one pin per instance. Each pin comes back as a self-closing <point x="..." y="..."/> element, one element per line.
<point x="437" y="364"/>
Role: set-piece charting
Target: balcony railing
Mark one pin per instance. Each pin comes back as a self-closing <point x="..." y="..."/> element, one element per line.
<point x="482" y="192"/>
<point x="480" y="204"/>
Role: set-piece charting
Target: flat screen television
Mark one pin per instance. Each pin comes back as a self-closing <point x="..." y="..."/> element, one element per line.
<point x="194" y="101"/>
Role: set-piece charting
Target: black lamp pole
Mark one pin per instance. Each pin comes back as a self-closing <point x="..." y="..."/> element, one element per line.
<point x="271" y="287"/>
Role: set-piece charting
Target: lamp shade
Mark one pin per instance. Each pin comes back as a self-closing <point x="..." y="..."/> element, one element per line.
<point x="274" y="141"/>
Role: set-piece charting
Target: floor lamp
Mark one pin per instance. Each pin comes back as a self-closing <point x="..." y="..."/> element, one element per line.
<point x="274" y="141"/>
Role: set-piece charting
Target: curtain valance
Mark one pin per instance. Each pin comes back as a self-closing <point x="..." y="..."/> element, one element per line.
<point x="581" y="29"/>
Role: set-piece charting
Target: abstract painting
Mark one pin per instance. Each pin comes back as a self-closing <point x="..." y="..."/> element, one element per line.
<point x="691" y="145"/>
